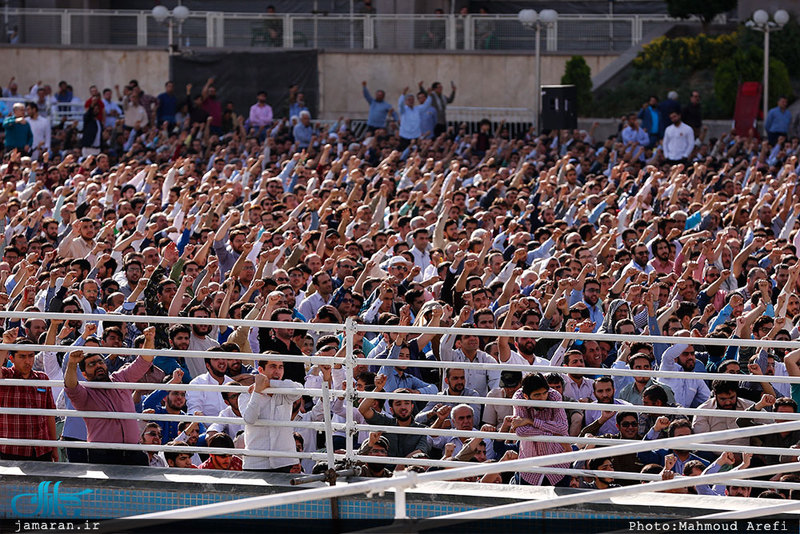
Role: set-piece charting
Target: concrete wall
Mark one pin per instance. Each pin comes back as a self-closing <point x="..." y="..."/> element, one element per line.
<point x="83" y="67"/>
<point x="488" y="80"/>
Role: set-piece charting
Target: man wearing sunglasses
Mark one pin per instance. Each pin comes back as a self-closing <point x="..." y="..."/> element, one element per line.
<point x="151" y="435"/>
<point x="627" y="428"/>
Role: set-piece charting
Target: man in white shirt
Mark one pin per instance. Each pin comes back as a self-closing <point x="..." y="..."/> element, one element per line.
<point x="209" y="402"/>
<point x="420" y="249"/>
<point x="113" y="112"/>
<point x="678" y="139"/>
<point x="604" y="393"/>
<point x="688" y="392"/>
<point x="259" y="406"/>
<point x="311" y="305"/>
<point x="231" y="410"/>
<point x="40" y="127"/>
<point x="481" y="380"/>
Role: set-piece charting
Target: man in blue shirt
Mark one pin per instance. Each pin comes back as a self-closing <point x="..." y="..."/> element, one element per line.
<point x="651" y="120"/>
<point x="410" y="119"/>
<point x="167" y="105"/>
<point x="378" y="108"/>
<point x="303" y="131"/>
<point x="396" y="377"/>
<point x="778" y="120"/>
<point x="427" y="117"/>
<point x="175" y="405"/>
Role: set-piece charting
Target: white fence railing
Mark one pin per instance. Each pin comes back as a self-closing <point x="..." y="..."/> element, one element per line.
<point x="349" y="361"/>
<point x="60" y="113"/>
<point x="76" y="27"/>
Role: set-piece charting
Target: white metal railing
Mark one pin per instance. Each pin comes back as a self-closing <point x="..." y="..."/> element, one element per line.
<point x="408" y="480"/>
<point x="350" y="427"/>
<point x="98" y="27"/>
<point x="349" y="362"/>
<point x="60" y="113"/>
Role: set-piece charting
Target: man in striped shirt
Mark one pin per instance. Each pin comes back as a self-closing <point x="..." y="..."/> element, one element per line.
<point x="539" y="422"/>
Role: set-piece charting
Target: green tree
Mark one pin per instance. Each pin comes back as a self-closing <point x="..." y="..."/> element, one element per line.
<point x="747" y="66"/>
<point x="705" y="10"/>
<point x="578" y="73"/>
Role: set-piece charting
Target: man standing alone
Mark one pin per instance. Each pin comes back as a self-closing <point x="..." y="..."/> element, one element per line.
<point x="678" y="140"/>
<point x="778" y="120"/>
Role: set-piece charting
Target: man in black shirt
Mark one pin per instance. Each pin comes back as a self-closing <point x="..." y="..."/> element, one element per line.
<point x="280" y="341"/>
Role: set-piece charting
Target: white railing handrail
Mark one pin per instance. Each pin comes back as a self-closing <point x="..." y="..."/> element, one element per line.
<point x="350" y="427"/>
<point x="609" y="493"/>
<point x="162" y="448"/>
<point x="513" y="17"/>
<point x="167" y="319"/>
<point x="364" y="327"/>
<point x="324" y="29"/>
<point x="428" y="364"/>
<point x="410" y="479"/>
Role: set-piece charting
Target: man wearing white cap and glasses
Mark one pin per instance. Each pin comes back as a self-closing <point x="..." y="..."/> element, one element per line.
<point x="399" y="267"/>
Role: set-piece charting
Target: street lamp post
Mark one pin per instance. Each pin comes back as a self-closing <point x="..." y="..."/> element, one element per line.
<point x="179" y="14"/>
<point x="760" y="22"/>
<point x="529" y="18"/>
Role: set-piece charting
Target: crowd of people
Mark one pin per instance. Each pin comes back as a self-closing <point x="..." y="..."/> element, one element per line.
<point x="179" y="207"/>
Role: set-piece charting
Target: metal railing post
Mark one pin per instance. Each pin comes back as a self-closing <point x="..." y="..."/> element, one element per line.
<point x="369" y="32"/>
<point x="450" y="32"/>
<point x="288" y="31"/>
<point x="141" y="29"/>
<point x="326" y="413"/>
<point x="469" y="33"/>
<point x="349" y="365"/>
<point x="66" y="28"/>
<point x="400" y="503"/>
<point x="210" y="33"/>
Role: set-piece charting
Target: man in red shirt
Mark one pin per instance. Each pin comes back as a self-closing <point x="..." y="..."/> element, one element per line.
<point x="225" y="462"/>
<point x="95" y="99"/>
<point x="30" y="397"/>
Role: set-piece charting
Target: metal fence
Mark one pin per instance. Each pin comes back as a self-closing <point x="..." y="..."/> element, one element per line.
<point x="347" y="358"/>
<point x="60" y="113"/>
<point x="208" y="29"/>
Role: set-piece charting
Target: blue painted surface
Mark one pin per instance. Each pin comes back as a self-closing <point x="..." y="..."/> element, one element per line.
<point x="103" y="503"/>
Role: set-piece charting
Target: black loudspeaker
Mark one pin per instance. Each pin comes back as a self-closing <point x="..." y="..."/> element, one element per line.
<point x="559" y="107"/>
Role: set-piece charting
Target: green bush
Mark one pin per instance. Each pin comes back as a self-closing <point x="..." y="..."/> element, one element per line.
<point x="747" y="66"/>
<point x="687" y="53"/>
<point x="713" y="65"/>
<point x="578" y="73"/>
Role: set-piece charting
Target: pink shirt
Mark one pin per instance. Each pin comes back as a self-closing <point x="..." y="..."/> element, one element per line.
<point x="110" y="400"/>
<point x="546" y="422"/>
<point x="260" y="115"/>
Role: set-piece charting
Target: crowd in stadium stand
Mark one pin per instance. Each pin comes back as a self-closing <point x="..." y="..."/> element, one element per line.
<point x="174" y="205"/>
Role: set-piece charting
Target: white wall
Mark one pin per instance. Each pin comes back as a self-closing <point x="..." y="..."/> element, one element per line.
<point x="82" y="68"/>
<point x="488" y="80"/>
